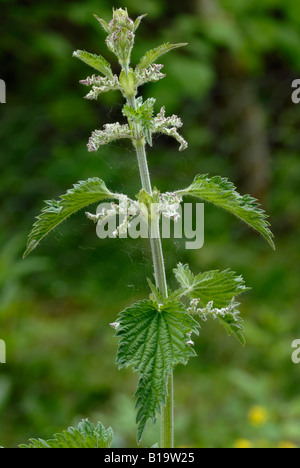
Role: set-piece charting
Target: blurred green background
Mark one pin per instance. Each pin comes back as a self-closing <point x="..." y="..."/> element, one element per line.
<point x="232" y="88"/>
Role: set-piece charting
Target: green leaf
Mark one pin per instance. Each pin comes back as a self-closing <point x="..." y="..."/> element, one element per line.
<point x="94" y="61"/>
<point x="138" y="21"/>
<point x="81" y="195"/>
<point x="217" y="286"/>
<point x="233" y="326"/>
<point x="216" y="292"/>
<point x="104" y="24"/>
<point x="222" y="193"/>
<point x="142" y="115"/>
<point x="156" y="296"/>
<point x="153" y="339"/>
<point x="85" y="435"/>
<point x="152" y="55"/>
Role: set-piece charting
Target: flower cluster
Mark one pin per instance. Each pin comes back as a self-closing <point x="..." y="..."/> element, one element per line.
<point x="150" y="74"/>
<point x="100" y="85"/>
<point x="110" y="133"/>
<point x="169" y="205"/>
<point x="127" y="210"/>
<point x="120" y="39"/>
<point x="141" y="121"/>
<point x="214" y="312"/>
<point x="114" y="325"/>
<point x="103" y="85"/>
<point x="190" y="341"/>
<point x="169" y="126"/>
<point x="142" y="115"/>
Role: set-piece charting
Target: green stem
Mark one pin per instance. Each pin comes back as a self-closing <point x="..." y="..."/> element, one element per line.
<point x="143" y="165"/>
<point x="155" y="239"/>
<point x="167" y="411"/>
<point x="167" y="417"/>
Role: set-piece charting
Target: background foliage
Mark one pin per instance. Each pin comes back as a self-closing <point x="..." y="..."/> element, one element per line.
<point x="232" y="88"/>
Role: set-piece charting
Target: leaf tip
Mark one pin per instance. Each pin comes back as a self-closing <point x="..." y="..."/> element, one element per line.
<point x="30" y="247"/>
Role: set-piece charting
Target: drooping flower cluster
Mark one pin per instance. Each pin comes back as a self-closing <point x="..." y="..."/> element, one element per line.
<point x="110" y="133"/>
<point x="169" y="205"/>
<point x="150" y="74"/>
<point x="104" y="84"/>
<point x="100" y="85"/>
<point x="169" y="126"/>
<point x="214" y="312"/>
<point x="127" y="209"/>
<point x="141" y="115"/>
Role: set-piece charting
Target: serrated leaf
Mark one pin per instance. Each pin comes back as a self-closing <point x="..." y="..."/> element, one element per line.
<point x="35" y="443"/>
<point x="152" y="55"/>
<point x="153" y="339"/>
<point x="104" y="24"/>
<point x="138" y="21"/>
<point x="217" y="286"/>
<point x="82" y="194"/>
<point x="218" y="291"/>
<point x="85" y="435"/>
<point x="184" y="276"/>
<point x="95" y="61"/>
<point x="156" y="295"/>
<point x="222" y="193"/>
<point x="142" y="115"/>
<point x="234" y="327"/>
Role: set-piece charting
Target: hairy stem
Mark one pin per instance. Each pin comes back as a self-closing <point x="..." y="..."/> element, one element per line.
<point x="155" y="240"/>
<point x="143" y="165"/>
<point x="167" y="418"/>
<point x="167" y="411"/>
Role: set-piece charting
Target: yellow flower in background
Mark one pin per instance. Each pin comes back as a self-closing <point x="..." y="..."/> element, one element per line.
<point x="286" y="444"/>
<point x="242" y="444"/>
<point x="258" y="415"/>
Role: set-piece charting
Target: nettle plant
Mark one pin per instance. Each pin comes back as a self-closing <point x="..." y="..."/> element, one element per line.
<point x="154" y="334"/>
